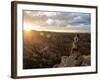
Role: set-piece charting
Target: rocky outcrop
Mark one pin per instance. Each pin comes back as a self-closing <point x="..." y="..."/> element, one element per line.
<point x="75" y="59"/>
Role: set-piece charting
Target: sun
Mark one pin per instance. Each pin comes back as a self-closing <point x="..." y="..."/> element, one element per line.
<point x="29" y="27"/>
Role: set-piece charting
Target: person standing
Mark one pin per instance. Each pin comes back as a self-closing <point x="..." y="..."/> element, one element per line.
<point x="75" y="44"/>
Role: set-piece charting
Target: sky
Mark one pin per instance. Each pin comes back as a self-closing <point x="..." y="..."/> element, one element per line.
<point x="57" y="21"/>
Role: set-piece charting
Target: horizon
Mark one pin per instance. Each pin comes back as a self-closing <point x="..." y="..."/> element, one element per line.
<point x="56" y="31"/>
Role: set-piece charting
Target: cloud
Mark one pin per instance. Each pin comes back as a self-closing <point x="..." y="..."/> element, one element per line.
<point x="72" y="20"/>
<point x="82" y="18"/>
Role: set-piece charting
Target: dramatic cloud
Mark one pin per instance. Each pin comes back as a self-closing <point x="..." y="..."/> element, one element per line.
<point x="59" y="20"/>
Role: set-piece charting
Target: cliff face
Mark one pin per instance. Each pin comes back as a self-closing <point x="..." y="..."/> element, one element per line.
<point x="43" y="49"/>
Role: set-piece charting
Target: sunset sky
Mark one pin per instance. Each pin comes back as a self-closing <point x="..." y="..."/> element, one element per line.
<point x="57" y="21"/>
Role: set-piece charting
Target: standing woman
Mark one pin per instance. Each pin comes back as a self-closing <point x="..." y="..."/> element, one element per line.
<point x="75" y="44"/>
